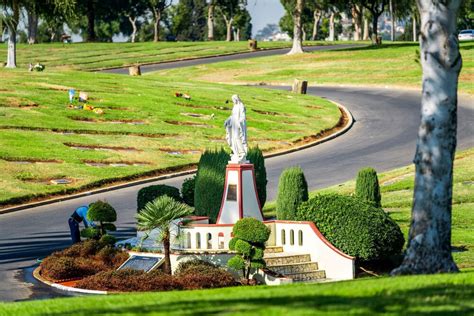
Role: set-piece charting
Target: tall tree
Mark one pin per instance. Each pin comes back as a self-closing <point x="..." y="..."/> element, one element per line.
<point x="376" y="8"/>
<point x="211" y="7"/>
<point x="243" y="25"/>
<point x="229" y="9"/>
<point x="189" y="20"/>
<point x="157" y="7"/>
<point x="357" y="17"/>
<point x="132" y="10"/>
<point x="429" y="239"/>
<point x="297" y="12"/>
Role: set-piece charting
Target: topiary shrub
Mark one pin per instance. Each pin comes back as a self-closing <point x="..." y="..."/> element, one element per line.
<point x="367" y="186"/>
<point x="103" y="213"/>
<point x="255" y="156"/>
<point x="209" y="185"/>
<point x="187" y="190"/>
<point x="292" y="191"/>
<point x="354" y="226"/>
<point x="249" y="240"/>
<point x="148" y="194"/>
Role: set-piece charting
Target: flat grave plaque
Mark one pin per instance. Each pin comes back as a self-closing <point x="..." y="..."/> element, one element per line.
<point x="141" y="263"/>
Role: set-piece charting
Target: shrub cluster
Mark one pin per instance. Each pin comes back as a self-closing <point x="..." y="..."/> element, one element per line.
<point x="148" y="194"/>
<point x="367" y="186"/>
<point x="292" y="191"/>
<point x="190" y="275"/>
<point x="354" y="226"/>
<point x="82" y="259"/>
<point x="187" y="190"/>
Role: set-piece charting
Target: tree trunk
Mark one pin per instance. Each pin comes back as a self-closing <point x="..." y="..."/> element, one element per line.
<point x="210" y="21"/>
<point x="297" y="29"/>
<point x="303" y="34"/>
<point x="228" y="23"/>
<point x="414" y="27"/>
<point x="237" y="35"/>
<point x="331" y="26"/>
<point x="11" y="54"/>
<point x="366" y="30"/>
<point x="32" y="27"/>
<point x="375" y="19"/>
<point x="429" y="238"/>
<point x="91" y="37"/>
<point x="156" y="25"/>
<point x="133" y="21"/>
<point x="392" y="18"/>
<point x="166" y="247"/>
<point x="316" y="19"/>
<point x="357" y="20"/>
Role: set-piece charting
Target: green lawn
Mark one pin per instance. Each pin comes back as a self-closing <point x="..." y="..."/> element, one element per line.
<point x="94" y="56"/>
<point x="442" y="294"/>
<point x="388" y="65"/>
<point x="397" y="197"/>
<point x="144" y="126"/>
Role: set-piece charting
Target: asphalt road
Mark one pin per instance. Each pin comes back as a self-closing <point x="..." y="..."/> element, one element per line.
<point x="383" y="136"/>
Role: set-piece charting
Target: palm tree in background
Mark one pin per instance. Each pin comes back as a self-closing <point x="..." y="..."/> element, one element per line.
<point x="160" y="213"/>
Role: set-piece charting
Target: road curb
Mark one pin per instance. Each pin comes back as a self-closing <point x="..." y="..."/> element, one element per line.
<point x="181" y="173"/>
<point x="37" y="276"/>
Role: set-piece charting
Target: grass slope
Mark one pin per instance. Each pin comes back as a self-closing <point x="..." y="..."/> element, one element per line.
<point x="389" y="64"/>
<point x="397" y="197"/>
<point x="443" y="294"/>
<point x="93" y="56"/>
<point x="144" y="125"/>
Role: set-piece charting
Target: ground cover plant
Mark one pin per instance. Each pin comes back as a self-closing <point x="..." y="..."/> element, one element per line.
<point x="389" y="64"/>
<point x="81" y="260"/>
<point x="441" y="294"/>
<point x="94" y="56"/>
<point x="145" y="128"/>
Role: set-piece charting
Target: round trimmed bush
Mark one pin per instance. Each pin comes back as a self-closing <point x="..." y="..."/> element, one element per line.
<point x="251" y="230"/>
<point x="101" y="211"/>
<point x="187" y="190"/>
<point x="292" y="191"/>
<point x="367" y="186"/>
<point x="354" y="226"/>
<point x="148" y="194"/>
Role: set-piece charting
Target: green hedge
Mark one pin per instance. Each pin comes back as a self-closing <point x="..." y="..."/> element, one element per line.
<point x="152" y="192"/>
<point x="354" y="226"/>
<point x="292" y="191"/>
<point x="209" y="185"/>
<point x="367" y="186"/>
<point x="210" y="180"/>
<point x="187" y="190"/>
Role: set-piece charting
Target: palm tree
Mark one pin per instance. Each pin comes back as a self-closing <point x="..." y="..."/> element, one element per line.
<point x="160" y="213"/>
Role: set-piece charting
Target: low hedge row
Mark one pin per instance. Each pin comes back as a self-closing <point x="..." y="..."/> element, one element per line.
<point x="189" y="276"/>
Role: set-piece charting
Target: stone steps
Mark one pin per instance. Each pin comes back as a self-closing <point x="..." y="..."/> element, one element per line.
<point x="273" y="249"/>
<point x="287" y="259"/>
<point x="307" y="276"/>
<point x="286" y="269"/>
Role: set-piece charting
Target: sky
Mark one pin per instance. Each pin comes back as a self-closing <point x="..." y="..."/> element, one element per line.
<point x="264" y="12"/>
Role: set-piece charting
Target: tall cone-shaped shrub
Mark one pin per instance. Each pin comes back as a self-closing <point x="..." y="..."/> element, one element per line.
<point x="255" y="156"/>
<point x="292" y="191"/>
<point x="367" y="186"/>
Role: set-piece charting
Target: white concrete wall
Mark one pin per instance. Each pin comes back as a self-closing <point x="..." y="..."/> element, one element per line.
<point x="230" y="210"/>
<point x="196" y="237"/>
<point x="251" y="207"/>
<point x="338" y="266"/>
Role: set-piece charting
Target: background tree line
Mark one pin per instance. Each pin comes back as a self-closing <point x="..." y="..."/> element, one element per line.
<point x="39" y="21"/>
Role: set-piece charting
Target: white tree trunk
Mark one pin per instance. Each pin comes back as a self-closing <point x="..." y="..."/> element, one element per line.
<point x="133" y="21"/>
<point x="210" y="22"/>
<point x="392" y="18"/>
<point x="331" y="26"/>
<point x="414" y="28"/>
<point x="357" y="21"/>
<point x="228" y="23"/>
<point x="297" y="47"/>
<point x="11" y="57"/>
<point x="429" y="240"/>
<point x="366" y="30"/>
<point x="237" y="35"/>
<point x="316" y="19"/>
<point x="32" y="28"/>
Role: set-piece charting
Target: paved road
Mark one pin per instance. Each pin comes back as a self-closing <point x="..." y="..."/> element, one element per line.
<point x="383" y="136"/>
<point x="209" y="60"/>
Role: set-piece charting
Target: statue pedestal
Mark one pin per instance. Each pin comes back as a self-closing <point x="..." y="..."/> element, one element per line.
<point x="240" y="197"/>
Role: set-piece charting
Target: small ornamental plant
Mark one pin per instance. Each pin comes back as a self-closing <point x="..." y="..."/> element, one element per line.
<point x="104" y="215"/>
<point x="249" y="240"/>
<point x="367" y="186"/>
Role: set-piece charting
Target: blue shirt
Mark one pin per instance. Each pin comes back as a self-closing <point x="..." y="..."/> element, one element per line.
<point x="82" y="212"/>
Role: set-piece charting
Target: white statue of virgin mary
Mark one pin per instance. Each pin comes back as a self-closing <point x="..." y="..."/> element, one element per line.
<point x="236" y="131"/>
